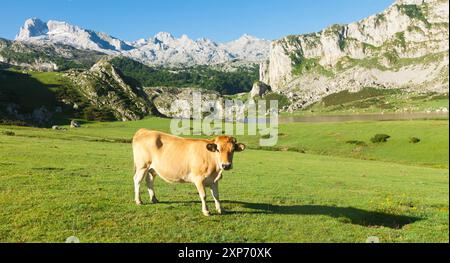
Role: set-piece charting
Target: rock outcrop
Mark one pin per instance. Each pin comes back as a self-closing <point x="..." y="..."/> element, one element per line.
<point x="45" y="56"/>
<point x="259" y="89"/>
<point x="165" y="98"/>
<point x="104" y="87"/>
<point x="404" y="47"/>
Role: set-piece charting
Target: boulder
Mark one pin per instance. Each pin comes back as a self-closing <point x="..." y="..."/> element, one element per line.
<point x="41" y="115"/>
<point x="259" y="89"/>
<point x="74" y="124"/>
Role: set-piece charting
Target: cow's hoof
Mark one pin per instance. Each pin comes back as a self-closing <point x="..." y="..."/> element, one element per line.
<point x="154" y="200"/>
<point x="138" y="202"/>
<point x="219" y="211"/>
<point x="206" y="213"/>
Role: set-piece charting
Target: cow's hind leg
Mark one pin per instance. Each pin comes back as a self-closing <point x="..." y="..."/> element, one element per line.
<point x="138" y="176"/>
<point x="202" y="194"/>
<point x="149" y="179"/>
<point x="215" y="194"/>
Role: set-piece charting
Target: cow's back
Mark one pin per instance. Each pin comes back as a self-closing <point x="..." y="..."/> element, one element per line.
<point x="175" y="159"/>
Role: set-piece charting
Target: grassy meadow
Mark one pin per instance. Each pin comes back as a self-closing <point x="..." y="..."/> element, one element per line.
<point x="372" y="100"/>
<point x="314" y="186"/>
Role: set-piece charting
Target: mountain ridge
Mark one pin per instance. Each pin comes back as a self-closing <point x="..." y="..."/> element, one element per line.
<point x="163" y="49"/>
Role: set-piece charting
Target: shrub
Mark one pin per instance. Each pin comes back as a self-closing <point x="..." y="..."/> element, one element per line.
<point x="93" y="113"/>
<point x="282" y="99"/>
<point x="414" y="140"/>
<point x="379" y="138"/>
<point x="8" y="133"/>
<point x="265" y="136"/>
<point x="356" y="142"/>
<point x="415" y="12"/>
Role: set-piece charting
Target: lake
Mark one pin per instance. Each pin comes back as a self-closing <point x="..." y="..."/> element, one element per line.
<point x="365" y="117"/>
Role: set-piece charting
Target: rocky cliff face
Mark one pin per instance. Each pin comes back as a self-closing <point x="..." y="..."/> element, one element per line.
<point x="406" y="46"/>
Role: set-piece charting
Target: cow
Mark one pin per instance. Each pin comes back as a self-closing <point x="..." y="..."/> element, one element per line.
<point x="182" y="160"/>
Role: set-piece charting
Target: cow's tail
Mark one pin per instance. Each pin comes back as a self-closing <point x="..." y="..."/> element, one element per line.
<point x="134" y="163"/>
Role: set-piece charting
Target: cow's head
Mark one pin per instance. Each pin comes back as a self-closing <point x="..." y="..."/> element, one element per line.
<point x="225" y="147"/>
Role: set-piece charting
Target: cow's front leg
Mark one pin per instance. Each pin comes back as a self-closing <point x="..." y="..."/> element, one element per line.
<point x="202" y="194"/>
<point x="215" y="194"/>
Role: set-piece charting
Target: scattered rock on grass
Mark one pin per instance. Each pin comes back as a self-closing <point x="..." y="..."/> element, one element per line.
<point x="74" y="124"/>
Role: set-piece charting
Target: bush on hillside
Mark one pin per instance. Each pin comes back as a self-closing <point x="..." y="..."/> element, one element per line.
<point x="93" y="113"/>
<point x="8" y="133"/>
<point x="380" y="138"/>
<point x="414" y="140"/>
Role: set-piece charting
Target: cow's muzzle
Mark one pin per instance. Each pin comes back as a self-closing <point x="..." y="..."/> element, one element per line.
<point x="226" y="166"/>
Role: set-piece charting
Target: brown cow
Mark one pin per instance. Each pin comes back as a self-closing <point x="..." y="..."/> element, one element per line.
<point x="181" y="160"/>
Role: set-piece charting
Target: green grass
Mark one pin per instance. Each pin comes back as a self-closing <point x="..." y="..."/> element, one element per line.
<point x="395" y="62"/>
<point x="54" y="184"/>
<point x="283" y="101"/>
<point x="302" y="65"/>
<point x="313" y="138"/>
<point x="373" y="100"/>
<point x="346" y="96"/>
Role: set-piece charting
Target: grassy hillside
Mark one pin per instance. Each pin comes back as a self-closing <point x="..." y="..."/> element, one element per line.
<point x="371" y="100"/>
<point x="269" y="196"/>
<point x="31" y="90"/>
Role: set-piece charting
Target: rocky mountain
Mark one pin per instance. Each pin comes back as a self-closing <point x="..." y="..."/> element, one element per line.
<point x="166" y="50"/>
<point x="46" y="56"/>
<point x="36" y="31"/>
<point x="162" y="50"/>
<point x="404" y="47"/>
<point x="106" y="89"/>
<point x="248" y="48"/>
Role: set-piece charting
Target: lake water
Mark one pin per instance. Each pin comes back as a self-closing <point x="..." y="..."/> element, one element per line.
<point x="365" y="117"/>
<point x="358" y="117"/>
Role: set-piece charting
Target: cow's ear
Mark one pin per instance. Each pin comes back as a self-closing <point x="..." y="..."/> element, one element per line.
<point x="239" y="147"/>
<point x="212" y="147"/>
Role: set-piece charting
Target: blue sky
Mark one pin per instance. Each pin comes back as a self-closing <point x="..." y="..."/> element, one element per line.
<point x="221" y="21"/>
